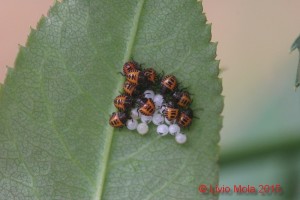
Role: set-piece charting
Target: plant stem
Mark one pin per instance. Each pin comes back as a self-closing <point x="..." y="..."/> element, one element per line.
<point x="288" y="145"/>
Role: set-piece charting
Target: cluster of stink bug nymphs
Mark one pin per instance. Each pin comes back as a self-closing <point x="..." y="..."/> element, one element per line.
<point x="151" y="97"/>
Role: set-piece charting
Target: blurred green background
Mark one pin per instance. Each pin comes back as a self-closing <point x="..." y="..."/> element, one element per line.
<point x="260" y="140"/>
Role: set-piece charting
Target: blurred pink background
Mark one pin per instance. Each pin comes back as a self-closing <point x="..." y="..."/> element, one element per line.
<point x="16" y="18"/>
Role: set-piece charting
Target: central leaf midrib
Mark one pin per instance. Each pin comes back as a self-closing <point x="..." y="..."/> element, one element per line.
<point x="110" y="131"/>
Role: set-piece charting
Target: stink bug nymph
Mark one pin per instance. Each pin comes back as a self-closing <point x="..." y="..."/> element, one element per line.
<point x="151" y="75"/>
<point x="171" y="111"/>
<point x="168" y="83"/>
<point x="182" y="98"/>
<point x="123" y="102"/>
<point x="118" y="119"/>
<point x="146" y="106"/>
<point x="131" y="65"/>
<point x="136" y="77"/>
<point x="185" y="118"/>
<point x="130" y="88"/>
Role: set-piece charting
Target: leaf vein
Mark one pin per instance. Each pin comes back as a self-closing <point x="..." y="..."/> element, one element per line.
<point x="110" y="131"/>
<point x="53" y="125"/>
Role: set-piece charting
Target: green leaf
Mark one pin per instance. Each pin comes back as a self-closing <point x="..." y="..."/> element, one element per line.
<point x="55" y="140"/>
<point x="296" y="45"/>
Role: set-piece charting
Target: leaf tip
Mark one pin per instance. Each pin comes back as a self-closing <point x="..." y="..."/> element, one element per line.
<point x="296" y="86"/>
<point x="30" y="36"/>
<point x="9" y="70"/>
<point x="41" y="22"/>
<point x="21" y="47"/>
<point x="54" y="7"/>
<point x="215" y="44"/>
<point x="20" y="55"/>
<point x="296" y="44"/>
<point x="32" y="29"/>
<point x="223" y="69"/>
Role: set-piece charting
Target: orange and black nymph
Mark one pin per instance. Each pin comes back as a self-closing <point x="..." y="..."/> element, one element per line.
<point x="131" y="65"/>
<point x="171" y="112"/>
<point x="123" y="102"/>
<point x="168" y="83"/>
<point x="136" y="77"/>
<point x="118" y="119"/>
<point x="146" y="106"/>
<point x="151" y="75"/>
<point x="182" y="98"/>
<point x="185" y="118"/>
<point x="130" y="88"/>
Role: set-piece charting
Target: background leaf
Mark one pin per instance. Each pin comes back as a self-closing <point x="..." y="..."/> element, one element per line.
<point x="296" y="45"/>
<point x="55" y="141"/>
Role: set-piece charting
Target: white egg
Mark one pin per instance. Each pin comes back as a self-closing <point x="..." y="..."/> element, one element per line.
<point x="134" y="113"/>
<point x="149" y="94"/>
<point x="131" y="124"/>
<point x="162" y="108"/>
<point x="162" y="130"/>
<point x="156" y="112"/>
<point x="158" y="119"/>
<point x="173" y="129"/>
<point x="146" y="119"/>
<point x="169" y="122"/>
<point x="180" y="138"/>
<point x="158" y="100"/>
<point x="142" y="128"/>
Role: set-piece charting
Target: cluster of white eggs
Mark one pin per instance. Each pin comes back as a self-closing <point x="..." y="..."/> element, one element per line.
<point x="164" y="126"/>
